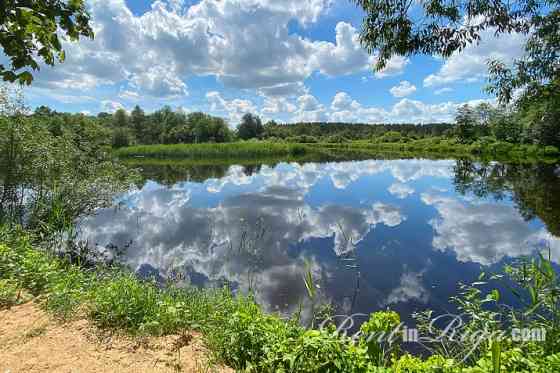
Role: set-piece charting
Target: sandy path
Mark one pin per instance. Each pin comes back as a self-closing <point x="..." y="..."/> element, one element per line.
<point x="31" y="341"/>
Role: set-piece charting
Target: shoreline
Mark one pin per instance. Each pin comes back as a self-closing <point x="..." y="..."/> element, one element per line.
<point x="253" y="152"/>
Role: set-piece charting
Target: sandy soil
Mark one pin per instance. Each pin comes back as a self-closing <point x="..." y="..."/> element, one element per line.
<point x="31" y="341"/>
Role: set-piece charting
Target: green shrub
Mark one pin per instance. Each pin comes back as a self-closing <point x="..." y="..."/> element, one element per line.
<point x="237" y="150"/>
<point x="551" y="150"/>
<point x="486" y="140"/>
<point x="336" y="139"/>
<point x="297" y="150"/>
<point x="379" y="326"/>
<point x="501" y="147"/>
<point x="318" y="351"/>
<point x="121" y="138"/>
<point x="434" y="364"/>
<point x="531" y="149"/>
<point x="9" y="294"/>
<point x="302" y="139"/>
<point x="389" y="136"/>
<point x="69" y="292"/>
<point x="124" y="302"/>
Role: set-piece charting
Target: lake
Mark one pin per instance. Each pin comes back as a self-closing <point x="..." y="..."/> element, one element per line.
<point x="376" y="234"/>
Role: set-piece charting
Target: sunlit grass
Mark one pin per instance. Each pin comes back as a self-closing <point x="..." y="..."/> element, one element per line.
<point x="236" y="150"/>
<point x="264" y="150"/>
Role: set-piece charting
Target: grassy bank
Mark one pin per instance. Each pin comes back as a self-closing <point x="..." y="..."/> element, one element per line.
<point x="236" y="150"/>
<point x="450" y="147"/>
<point x="235" y="328"/>
<point x="431" y="147"/>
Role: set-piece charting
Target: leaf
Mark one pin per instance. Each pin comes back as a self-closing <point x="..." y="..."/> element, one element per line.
<point x="533" y="294"/>
<point x="25" y="77"/>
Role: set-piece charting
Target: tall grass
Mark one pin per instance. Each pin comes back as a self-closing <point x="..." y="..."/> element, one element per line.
<point x="236" y="150"/>
<point x="450" y="148"/>
<point x="429" y="147"/>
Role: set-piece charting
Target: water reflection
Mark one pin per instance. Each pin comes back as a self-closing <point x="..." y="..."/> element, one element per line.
<point x="378" y="233"/>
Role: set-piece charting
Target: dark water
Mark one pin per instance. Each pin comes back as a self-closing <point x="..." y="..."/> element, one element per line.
<point x="377" y="233"/>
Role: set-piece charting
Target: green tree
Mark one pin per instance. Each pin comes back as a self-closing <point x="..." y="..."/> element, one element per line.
<point x="466" y="124"/>
<point x="180" y="135"/>
<point x="540" y="66"/>
<point x="137" y="121"/>
<point x="390" y="136"/>
<point x="30" y="31"/>
<point x="219" y="130"/>
<point x="505" y="126"/>
<point x="44" y="110"/>
<point x="120" y="118"/>
<point x="540" y="114"/>
<point x="121" y="137"/>
<point x="442" y="27"/>
<point x="201" y="131"/>
<point x="250" y="127"/>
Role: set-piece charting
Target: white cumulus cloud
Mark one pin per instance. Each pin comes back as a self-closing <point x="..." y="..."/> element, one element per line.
<point x="471" y="64"/>
<point x="403" y="89"/>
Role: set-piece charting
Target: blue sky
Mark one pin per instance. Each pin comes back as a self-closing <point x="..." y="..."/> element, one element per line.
<point x="290" y="60"/>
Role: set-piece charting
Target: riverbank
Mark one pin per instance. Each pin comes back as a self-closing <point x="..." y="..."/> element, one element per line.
<point x="240" y="150"/>
<point x="430" y="147"/>
<point x="234" y="329"/>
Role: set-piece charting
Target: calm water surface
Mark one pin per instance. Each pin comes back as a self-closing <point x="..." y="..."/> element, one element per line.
<point x="378" y="233"/>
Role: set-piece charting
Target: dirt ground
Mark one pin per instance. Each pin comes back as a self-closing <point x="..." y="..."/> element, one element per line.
<point x="31" y="341"/>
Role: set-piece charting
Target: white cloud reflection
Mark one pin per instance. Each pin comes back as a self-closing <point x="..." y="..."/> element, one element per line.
<point x="257" y="229"/>
<point x="484" y="232"/>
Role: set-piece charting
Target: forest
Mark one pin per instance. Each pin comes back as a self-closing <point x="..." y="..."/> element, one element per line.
<point x="529" y="122"/>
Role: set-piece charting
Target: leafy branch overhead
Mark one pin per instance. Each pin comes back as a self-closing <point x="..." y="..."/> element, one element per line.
<point x="32" y="30"/>
<point x="443" y="27"/>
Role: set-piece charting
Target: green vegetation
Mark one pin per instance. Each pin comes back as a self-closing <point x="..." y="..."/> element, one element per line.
<point x="56" y="169"/>
<point x="51" y="173"/>
<point x="341" y="132"/>
<point x="390" y="28"/>
<point x="529" y="128"/>
<point x="238" y="150"/>
<point x="523" y="131"/>
<point x="241" y="335"/>
<point x="33" y="29"/>
<point x="530" y="118"/>
<point x="488" y="148"/>
<point x="393" y="143"/>
<point x="250" y="127"/>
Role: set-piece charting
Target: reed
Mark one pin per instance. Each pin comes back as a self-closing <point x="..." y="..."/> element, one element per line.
<point x="264" y="150"/>
<point x="236" y="150"/>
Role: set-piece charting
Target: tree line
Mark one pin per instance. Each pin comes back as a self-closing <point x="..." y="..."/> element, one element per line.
<point x="168" y="126"/>
<point x="536" y="123"/>
<point x="534" y="120"/>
